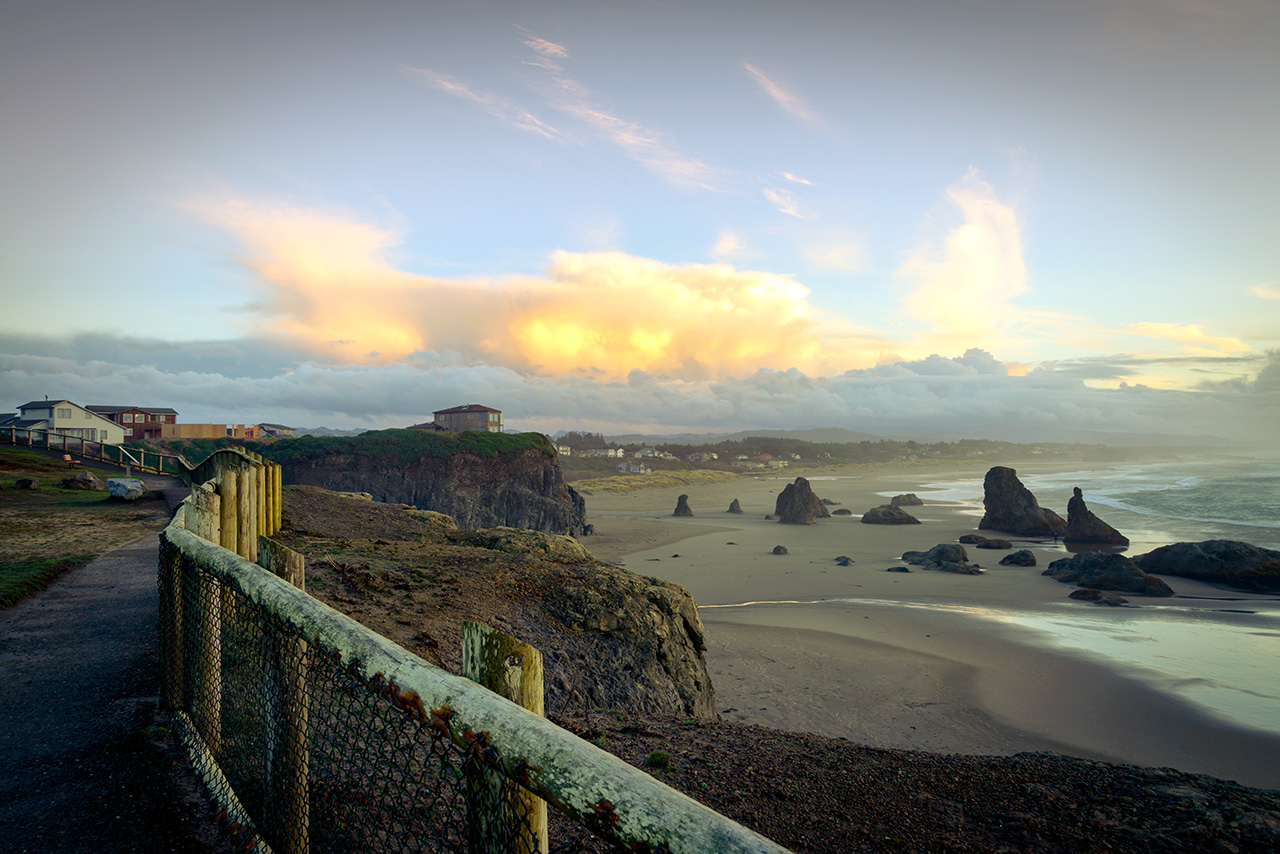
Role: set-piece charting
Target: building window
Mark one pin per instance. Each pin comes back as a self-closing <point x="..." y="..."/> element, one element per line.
<point x="64" y="412"/>
<point x="127" y="418"/>
<point x="128" y="431"/>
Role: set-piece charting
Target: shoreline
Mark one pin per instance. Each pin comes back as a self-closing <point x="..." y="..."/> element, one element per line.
<point x="878" y="659"/>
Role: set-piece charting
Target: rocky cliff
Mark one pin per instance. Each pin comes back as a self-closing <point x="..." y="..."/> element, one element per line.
<point x="482" y="480"/>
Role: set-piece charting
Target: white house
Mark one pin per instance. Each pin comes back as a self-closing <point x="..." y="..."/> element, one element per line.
<point x="67" y="418"/>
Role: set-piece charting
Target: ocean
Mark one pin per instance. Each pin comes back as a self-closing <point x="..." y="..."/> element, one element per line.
<point x="1220" y="651"/>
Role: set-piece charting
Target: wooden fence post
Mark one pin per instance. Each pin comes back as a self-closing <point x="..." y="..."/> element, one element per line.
<point x="512" y="669"/>
<point x="277" y="471"/>
<point x="230" y="524"/>
<point x="246" y="513"/>
<point x="172" y="651"/>
<point x="288" y="766"/>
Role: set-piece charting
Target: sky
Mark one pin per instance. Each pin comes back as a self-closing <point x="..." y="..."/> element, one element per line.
<point x="1034" y="221"/>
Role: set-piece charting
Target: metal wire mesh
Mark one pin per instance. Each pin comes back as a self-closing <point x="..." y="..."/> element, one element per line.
<point x="313" y="757"/>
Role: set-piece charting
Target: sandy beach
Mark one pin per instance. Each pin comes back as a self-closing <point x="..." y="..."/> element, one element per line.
<point x="922" y="660"/>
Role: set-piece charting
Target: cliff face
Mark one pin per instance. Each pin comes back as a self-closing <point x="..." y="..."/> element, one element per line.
<point x="480" y="486"/>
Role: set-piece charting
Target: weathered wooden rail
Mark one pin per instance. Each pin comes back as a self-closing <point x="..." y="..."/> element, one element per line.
<point x="317" y="734"/>
<point x="142" y="459"/>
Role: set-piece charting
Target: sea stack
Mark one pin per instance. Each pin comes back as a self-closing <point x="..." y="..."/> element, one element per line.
<point x="797" y="505"/>
<point x="1011" y="507"/>
<point x="682" y="506"/>
<point x="1084" y="528"/>
<point x="734" y="507"/>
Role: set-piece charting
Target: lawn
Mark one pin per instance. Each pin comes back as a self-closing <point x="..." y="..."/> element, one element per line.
<point x="49" y="531"/>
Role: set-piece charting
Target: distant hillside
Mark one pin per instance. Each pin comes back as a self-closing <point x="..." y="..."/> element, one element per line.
<point x="816" y="435"/>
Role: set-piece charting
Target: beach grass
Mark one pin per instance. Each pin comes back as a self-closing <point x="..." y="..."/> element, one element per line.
<point x="622" y="483"/>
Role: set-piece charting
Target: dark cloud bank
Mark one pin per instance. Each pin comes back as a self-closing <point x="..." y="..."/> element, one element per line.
<point x="968" y="396"/>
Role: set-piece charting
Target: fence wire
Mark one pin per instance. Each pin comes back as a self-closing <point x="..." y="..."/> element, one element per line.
<point x="317" y="758"/>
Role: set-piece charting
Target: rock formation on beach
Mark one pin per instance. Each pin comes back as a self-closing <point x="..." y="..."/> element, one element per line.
<point x="682" y="507"/>
<point x="780" y="550"/>
<point x="944" y="557"/>
<point x="993" y="543"/>
<point x="1228" y="562"/>
<point x="84" y="480"/>
<point x="1098" y="597"/>
<point x="1107" y="571"/>
<point x="1022" y="557"/>
<point x="797" y="505"/>
<point x="888" y="514"/>
<point x="1011" y="507"/>
<point x="843" y="511"/>
<point x="1084" y="528"/>
<point x="734" y="507"/>
<point x="972" y="539"/>
<point x="909" y="499"/>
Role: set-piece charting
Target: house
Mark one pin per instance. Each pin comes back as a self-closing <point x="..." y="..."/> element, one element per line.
<point x="276" y="431"/>
<point x="193" y="431"/>
<point x="633" y="468"/>
<point x="564" y="450"/>
<point x="139" y="422"/>
<point x="472" y="416"/>
<point x="67" y="418"/>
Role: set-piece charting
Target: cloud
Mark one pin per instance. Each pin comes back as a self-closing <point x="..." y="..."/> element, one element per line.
<point x="497" y="106"/>
<point x="1192" y="337"/>
<point x="546" y="48"/>
<point x="968" y="396"/>
<point x="835" y="249"/>
<point x="784" y="202"/>
<point x="728" y="245"/>
<point x="963" y="290"/>
<point x="797" y="179"/>
<point x="788" y="101"/>
<point x="329" y="285"/>
<point x="1265" y="291"/>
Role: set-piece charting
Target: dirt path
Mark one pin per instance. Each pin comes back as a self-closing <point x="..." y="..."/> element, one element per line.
<point x="82" y="766"/>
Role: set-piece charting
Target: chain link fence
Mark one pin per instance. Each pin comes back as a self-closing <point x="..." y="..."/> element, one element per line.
<point x="316" y="735"/>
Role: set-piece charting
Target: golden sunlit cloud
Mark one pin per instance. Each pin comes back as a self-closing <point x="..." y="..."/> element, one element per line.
<point x="1265" y="291"/>
<point x="1192" y="338"/>
<point x="330" y="286"/>
<point x="728" y="244"/>
<point x="964" y="290"/>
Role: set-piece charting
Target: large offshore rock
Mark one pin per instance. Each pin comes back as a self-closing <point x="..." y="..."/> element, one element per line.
<point x="1011" y="507"/>
<point x="888" y="514"/>
<point x="682" y="507"/>
<point x="1107" y="571"/>
<point x="797" y="505"/>
<point x="1229" y="562"/>
<point x="125" y="488"/>
<point x="1084" y="528"/>
<point x="734" y="507"/>
<point x="909" y="499"/>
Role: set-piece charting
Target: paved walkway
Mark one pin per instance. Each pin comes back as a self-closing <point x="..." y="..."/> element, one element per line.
<point x="78" y="691"/>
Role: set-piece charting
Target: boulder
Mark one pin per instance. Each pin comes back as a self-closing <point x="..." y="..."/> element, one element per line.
<point x="1011" y="507"/>
<point x="909" y="499"/>
<point x="125" y="488"/>
<point x="734" y="507"/>
<point x="780" y="550"/>
<point x="830" y="503"/>
<point x="797" y="505"/>
<point x="843" y="511"/>
<point x="1022" y="557"/>
<point x="26" y="483"/>
<point x="898" y="569"/>
<point x="84" y="480"/>
<point x="682" y="507"/>
<point x="887" y="514"/>
<point x="1228" y="562"/>
<point x="993" y="543"/>
<point x="844" y="560"/>
<point x="553" y="547"/>
<point x="1106" y="571"/>
<point x="972" y="539"/>
<point x="1084" y="528"/>
<point x="944" y="557"/>
<point x="1098" y="597"/>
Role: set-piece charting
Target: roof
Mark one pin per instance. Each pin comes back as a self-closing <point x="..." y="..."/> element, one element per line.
<point x="470" y="407"/>
<point x="150" y="410"/>
<point x="44" y="403"/>
<point x="426" y="425"/>
<point x="267" y="426"/>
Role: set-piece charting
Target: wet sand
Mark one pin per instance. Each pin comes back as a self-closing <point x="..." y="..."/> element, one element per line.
<point x="904" y="660"/>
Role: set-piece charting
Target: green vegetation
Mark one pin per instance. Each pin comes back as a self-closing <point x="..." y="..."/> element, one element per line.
<point x="404" y="446"/>
<point x="22" y="578"/>
<point x="659" y="759"/>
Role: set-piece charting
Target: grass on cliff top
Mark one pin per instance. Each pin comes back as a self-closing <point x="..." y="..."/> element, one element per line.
<point x="400" y="446"/>
<point x="632" y="482"/>
<point x="51" y="530"/>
